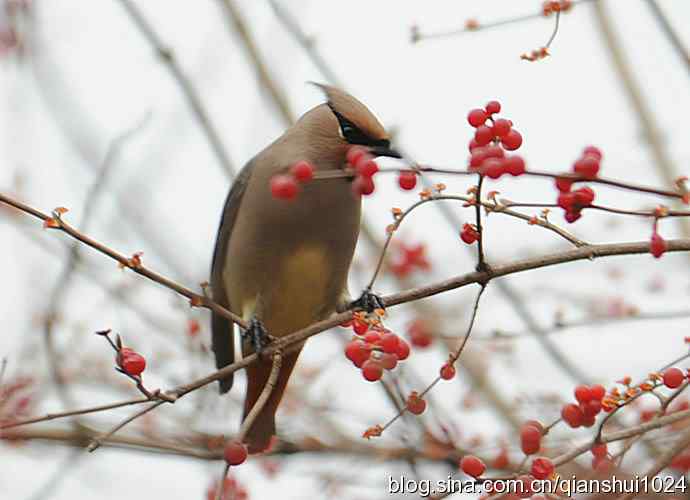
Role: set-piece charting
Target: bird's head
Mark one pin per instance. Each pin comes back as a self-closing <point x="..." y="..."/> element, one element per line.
<point x="344" y="121"/>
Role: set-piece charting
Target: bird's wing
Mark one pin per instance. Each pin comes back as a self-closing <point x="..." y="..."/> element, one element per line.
<point x="221" y="328"/>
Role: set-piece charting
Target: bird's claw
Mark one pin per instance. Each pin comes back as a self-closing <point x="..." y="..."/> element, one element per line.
<point x="368" y="301"/>
<point x="257" y="335"/>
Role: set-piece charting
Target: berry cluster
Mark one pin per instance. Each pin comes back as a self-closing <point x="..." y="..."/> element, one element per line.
<point x="551" y="6"/>
<point x="410" y="258"/>
<point x="365" y="167"/>
<point x="591" y="401"/>
<point x="490" y="142"/>
<point x="130" y="362"/>
<point x="587" y="167"/>
<point x="469" y="233"/>
<point x="374" y="348"/>
<point x="286" y="186"/>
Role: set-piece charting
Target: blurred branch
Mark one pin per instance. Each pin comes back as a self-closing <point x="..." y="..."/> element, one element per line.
<point x="650" y="128"/>
<point x="62" y="285"/>
<point x="167" y="55"/>
<point x="234" y="18"/>
<point x="472" y="25"/>
<point x="670" y="33"/>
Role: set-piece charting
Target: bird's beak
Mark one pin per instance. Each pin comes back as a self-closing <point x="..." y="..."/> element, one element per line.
<point x="384" y="151"/>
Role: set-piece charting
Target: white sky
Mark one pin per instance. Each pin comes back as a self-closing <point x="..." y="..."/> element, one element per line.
<point x="90" y="76"/>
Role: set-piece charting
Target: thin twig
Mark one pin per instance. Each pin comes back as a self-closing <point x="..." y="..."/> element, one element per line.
<point x="98" y="440"/>
<point x="185" y="83"/>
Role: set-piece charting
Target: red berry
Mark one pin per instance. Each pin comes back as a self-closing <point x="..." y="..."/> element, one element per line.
<point x="363" y="185"/>
<point x="366" y="166"/>
<point x="591" y="409"/>
<point x="584" y="196"/>
<point x="536" y="424"/>
<point x="583" y="394"/>
<point x="447" y="371"/>
<point x="477" y="158"/>
<point x="472" y="466"/>
<point x="132" y="363"/>
<point x="372" y="370"/>
<point x="415" y="404"/>
<point x="587" y="166"/>
<point x="469" y="234"/>
<point x="493" y="107"/>
<point x="588" y="420"/>
<point x="476" y="117"/>
<point x="473" y="145"/>
<point x="372" y="337"/>
<point x="388" y="361"/>
<point x="493" y="151"/>
<point x="403" y="350"/>
<point x="389" y="342"/>
<point x="514" y="165"/>
<point x="658" y="245"/>
<point x="407" y="180"/>
<point x="602" y="464"/>
<point x="598" y="392"/>
<point x="542" y="468"/>
<point x="360" y="327"/>
<point x="600" y="450"/>
<point x="303" y="171"/>
<point x="284" y="187"/>
<point x="492" y="168"/>
<point x="355" y="153"/>
<point x="235" y="453"/>
<point x="673" y="377"/>
<point x="563" y="184"/>
<point x="530" y="439"/>
<point x="483" y="135"/>
<point x="572" y="215"/>
<point x="357" y="352"/>
<point x="566" y="200"/>
<point x="592" y="151"/>
<point x="512" y="140"/>
<point x="501" y="127"/>
<point x="572" y="415"/>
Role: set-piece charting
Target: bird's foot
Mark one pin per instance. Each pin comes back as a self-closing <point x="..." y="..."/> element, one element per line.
<point x="256" y="335"/>
<point x="368" y="301"/>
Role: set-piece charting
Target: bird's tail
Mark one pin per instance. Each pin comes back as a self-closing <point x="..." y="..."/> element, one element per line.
<point x="263" y="428"/>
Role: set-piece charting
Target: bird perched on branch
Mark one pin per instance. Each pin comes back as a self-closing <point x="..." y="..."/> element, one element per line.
<point x="282" y="265"/>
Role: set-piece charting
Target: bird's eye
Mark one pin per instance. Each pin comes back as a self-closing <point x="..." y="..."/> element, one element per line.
<point x="351" y="133"/>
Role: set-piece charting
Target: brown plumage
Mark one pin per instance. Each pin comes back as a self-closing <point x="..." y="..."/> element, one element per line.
<point x="285" y="263"/>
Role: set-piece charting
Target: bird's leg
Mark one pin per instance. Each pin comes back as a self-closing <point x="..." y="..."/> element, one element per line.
<point x="257" y="335"/>
<point x="368" y="301"/>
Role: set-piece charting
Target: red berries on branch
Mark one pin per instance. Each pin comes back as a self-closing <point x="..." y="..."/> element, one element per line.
<point x="490" y="142"/>
<point x="590" y="401"/>
<point x="415" y="404"/>
<point x="365" y="167"/>
<point x="130" y="362"/>
<point x="375" y="349"/>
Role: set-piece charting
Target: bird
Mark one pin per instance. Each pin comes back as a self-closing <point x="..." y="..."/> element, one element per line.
<point x="282" y="265"/>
